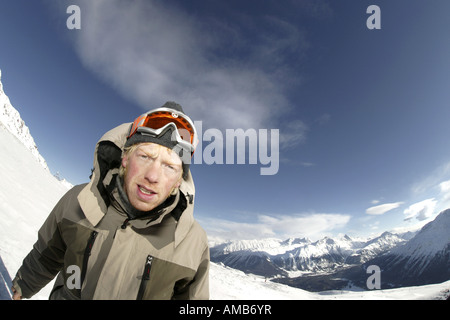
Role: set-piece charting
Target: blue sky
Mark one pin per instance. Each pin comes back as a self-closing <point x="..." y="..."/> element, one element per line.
<point x="362" y="114"/>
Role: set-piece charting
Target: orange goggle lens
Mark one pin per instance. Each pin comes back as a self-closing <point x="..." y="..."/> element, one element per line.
<point x="159" y="119"/>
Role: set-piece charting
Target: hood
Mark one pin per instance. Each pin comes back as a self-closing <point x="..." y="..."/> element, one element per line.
<point x="94" y="198"/>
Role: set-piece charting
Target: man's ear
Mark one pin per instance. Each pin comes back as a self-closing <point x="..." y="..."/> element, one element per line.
<point x="125" y="161"/>
<point x="178" y="184"/>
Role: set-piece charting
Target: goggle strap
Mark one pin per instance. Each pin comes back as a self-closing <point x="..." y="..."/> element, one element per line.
<point x="178" y="139"/>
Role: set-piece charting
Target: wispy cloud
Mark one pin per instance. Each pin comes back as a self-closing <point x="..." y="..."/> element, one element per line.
<point x="445" y="191"/>
<point x="383" y="208"/>
<point x="435" y="188"/>
<point x="421" y="210"/>
<point x="152" y="51"/>
<point x="313" y="226"/>
<point x="432" y="182"/>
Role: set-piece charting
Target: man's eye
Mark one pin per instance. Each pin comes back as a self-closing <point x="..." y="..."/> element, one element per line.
<point x="145" y="157"/>
<point x="171" y="168"/>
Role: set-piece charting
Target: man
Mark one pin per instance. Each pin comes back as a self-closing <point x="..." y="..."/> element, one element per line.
<point x="130" y="232"/>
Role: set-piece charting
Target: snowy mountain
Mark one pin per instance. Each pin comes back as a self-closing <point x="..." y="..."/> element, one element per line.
<point x="422" y="260"/>
<point x="376" y="247"/>
<point x="28" y="192"/>
<point x="11" y="120"/>
<point x="230" y="284"/>
<point x="316" y="266"/>
<point x="273" y="257"/>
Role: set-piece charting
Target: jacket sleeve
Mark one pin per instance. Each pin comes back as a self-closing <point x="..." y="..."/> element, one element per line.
<point x="45" y="260"/>
<point x="197" y="289"/>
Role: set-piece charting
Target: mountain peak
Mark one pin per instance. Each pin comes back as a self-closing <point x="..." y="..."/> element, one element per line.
<point x="10" y="119"/>
<point x="432" y="238"/>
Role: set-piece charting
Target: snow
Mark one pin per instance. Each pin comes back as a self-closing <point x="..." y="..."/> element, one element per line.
<point x="28" y="192"/>
<point x="10" y="118"/>
<point x="232" y="284"/>
<point x="297" y="256"/>
<point x="431" y="239"/>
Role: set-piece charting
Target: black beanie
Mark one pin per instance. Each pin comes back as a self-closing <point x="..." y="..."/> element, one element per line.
<point x="164" y="139"/>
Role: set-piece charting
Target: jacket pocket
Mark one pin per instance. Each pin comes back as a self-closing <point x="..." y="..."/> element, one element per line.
<point x="87" y="254"/>
<point x="145" y="277"/>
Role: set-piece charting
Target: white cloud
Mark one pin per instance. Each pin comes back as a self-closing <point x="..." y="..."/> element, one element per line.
<point x="221" y="230"/>
<point x="309" y="225"/>
<point x="152" y="51"/>
<point x="445" y="188"/>
<point x="433" y="180"/>
<point x="383" y="208"/>
<point x="293" y="133"/>
<point x="435" y="186"/>
<point x="313" y="226"/>
<point x="421" y="210"/>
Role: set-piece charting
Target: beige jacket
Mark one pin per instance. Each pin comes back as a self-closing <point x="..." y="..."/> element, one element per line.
<point x="97" y="253"/>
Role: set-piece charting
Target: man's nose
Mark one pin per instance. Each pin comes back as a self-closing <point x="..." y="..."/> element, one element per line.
<point x="153" y="172"/>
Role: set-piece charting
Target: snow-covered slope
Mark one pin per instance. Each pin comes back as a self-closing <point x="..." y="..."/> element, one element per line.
<point x="375" y="247"/>
<point x="231" y="284"/>
<point x="11" y="120"/>
<point x="432" y="239"/>
<point x="423" y="259"/>
<point x="28" y="193"/>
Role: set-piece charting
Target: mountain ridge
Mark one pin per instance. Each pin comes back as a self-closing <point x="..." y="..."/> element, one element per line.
<point x="300" y="254"/>
<point x="12" y="121"/>
<point x="10" y="118"/>
<point x="422" y="260"/>
<point x="404" y="261"/>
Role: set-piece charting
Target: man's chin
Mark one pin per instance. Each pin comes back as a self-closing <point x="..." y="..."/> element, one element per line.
<point x="145" y="208"/>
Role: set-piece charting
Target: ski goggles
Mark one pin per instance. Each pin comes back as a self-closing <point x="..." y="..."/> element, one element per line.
<point x="158" y="121"/>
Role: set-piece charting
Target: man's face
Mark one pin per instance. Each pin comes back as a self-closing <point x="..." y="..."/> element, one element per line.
<point x="152" y="172"/>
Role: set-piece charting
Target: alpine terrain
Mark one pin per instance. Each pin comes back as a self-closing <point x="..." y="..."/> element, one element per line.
<point x="28" y="192"/>
<point x="328" y="264"/>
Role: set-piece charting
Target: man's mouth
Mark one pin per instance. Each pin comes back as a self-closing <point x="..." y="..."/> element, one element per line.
<point x="146" y="191"/>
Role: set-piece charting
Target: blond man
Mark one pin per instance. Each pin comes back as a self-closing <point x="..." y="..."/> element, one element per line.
<point x="130" y="232"/>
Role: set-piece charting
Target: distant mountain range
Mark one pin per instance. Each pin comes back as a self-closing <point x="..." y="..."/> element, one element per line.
<point x="272" y="257"/>
<point x="326" y="264"/>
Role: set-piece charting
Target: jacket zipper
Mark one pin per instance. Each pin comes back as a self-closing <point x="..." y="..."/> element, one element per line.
<point x="145" y="277"/>
<point x="87" y="253"/>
